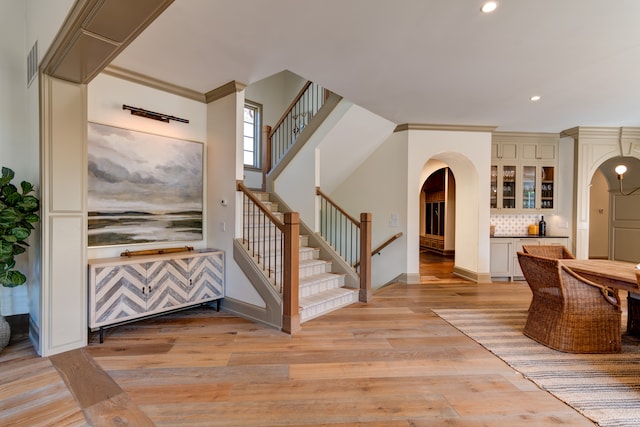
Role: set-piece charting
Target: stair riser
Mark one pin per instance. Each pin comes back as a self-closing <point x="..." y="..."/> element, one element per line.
<point x="314" y="288"/>
<point x="304" y="271"/>
<point x="328" y="306"/>
<point x="306" y="254"/>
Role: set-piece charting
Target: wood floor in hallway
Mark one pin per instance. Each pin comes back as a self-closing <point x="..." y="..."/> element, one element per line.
<point x="392" y="362"/>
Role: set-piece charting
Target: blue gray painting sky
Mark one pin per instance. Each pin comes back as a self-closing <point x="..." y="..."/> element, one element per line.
<point x="135" y="171"/>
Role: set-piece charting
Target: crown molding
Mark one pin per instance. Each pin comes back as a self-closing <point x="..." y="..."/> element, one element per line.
<point x="151" y="82"/>
<point x="224" y="90"/>
<point x="450" y="128"/>
<point x="536" y="137"/>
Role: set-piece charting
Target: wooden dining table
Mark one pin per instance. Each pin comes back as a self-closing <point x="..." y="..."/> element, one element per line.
<point x="617" y="275"/>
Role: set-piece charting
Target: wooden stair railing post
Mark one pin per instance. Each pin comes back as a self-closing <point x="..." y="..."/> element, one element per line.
<point x="365" y="257"/>
<point x="291" y="273"/>
<point x="266" y="155"/>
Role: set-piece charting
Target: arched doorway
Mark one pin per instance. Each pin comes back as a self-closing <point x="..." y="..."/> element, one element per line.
<point x="437" y="225"/>
<point x="614" y="218"/>
<point x="468" y="214"/>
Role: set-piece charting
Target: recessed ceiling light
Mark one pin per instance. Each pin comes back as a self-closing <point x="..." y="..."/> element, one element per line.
<point x="535" y="98"/>
<point x="489" y="6"/>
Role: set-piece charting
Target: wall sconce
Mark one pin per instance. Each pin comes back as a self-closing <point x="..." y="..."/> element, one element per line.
<point x="620" y="170"/>
<point x="153" y="115"/>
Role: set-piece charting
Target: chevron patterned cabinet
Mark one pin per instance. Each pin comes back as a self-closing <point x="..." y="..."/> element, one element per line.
<point x="127" y="288"/>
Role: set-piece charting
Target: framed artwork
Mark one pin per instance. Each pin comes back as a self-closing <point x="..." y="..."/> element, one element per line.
<point x="142" y="188"/>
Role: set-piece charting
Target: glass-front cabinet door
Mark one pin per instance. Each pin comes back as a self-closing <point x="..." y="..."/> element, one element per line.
<point x="547" y="187"/>
<point x="503" y="187"/>
<point x="529" y="187"/>
<point x="524" y="188"/>
<point x="494" y="187"/>
<point x="509" y="180"/>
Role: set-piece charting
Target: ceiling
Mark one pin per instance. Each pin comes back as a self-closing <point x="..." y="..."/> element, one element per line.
<point x="415" y="61"/>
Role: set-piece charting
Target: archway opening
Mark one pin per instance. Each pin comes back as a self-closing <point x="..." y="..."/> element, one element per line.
<point x="461" y="216"/>
<point x="437" y="223"/>
<point x="614" y="218"/>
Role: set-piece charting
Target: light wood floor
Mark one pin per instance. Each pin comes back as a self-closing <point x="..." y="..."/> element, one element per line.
<point x="391" y="362"/>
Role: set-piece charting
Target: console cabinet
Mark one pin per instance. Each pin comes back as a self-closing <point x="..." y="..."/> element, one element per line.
<point x="127" y="288"/>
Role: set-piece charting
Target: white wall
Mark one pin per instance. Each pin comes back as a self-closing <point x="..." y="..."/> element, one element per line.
<point x="296" y="184"/>
<point x="22" y="23"/>
<point x="378" y="186"/>
<point x="388" y="185"/>
<point x="217" y="125"/>
<point x="224" y="168"/>
<point x="468" y="155"/>
<point x="107" y="94"/>
<point x="16" y="150"/>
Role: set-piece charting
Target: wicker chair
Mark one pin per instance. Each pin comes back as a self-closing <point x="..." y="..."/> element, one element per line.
<point x="567" y="312"/>
<point x="549" y="251"/>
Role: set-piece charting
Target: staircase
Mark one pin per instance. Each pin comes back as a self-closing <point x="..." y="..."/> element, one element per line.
<point x="321" y="291"/>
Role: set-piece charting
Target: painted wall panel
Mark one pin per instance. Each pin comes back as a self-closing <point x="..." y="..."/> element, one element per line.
<point x="67" y="152"/>
<point x="67" y="302"/>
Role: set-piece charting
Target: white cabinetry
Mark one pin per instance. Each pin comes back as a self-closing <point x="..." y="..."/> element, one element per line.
<point x="501" y="254"/>
<point x="126" y="288"/>
<point x="523" y="180"/>
<point x="539" y="151"/>
<point x="504" y="254"/>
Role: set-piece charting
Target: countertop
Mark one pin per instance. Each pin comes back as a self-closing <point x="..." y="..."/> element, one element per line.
<point x="526" y="236"/>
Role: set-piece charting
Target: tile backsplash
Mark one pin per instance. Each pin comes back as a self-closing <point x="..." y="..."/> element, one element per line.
<point x="514" y="225"/>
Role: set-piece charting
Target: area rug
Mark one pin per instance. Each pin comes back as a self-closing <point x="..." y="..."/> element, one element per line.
<point x="603" y="387"/>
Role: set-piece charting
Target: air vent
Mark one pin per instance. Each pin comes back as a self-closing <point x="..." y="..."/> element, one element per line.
<point x="32" y="64"/>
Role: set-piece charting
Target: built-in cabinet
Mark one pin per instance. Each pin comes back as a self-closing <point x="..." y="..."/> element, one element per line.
<point x="127" y="288"/>
<point x="504" y="254"/>
<point x="523" y="172"/>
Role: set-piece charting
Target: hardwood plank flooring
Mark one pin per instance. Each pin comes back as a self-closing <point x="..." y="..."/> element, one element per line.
<point x="391" y="362"/>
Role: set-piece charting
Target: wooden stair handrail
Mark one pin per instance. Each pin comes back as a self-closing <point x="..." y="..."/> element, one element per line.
<point x="247" y="192"/>
<point x="288" y="110"/>
<point x="390" y="240"/>
<point x="338" y="208"/>
<point x="379" y="249"/>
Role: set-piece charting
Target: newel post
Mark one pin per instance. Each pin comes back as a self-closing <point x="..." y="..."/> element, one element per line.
<point x="290" y="273"/>
<point x="365" y="257"/>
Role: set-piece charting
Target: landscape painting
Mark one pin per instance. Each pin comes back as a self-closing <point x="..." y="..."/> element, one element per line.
<point x="142" y="188"/>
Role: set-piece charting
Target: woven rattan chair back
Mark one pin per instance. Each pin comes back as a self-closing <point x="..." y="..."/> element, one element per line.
<point x="567" y="312"/>
<point x="549" y="251"/>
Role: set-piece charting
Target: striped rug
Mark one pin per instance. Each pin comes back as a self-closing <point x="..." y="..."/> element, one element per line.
<point x="603" y="387"/>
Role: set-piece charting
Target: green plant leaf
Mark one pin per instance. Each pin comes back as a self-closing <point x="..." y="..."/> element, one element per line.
<point x="9" y="238"/>
<point x="27" y="187"/>
<point x="28" y="203"/>
<point x="13" y="278"/>
<point x="9" y="189"/>
<point x="8" y="217"/>
<point x="17" y="249"/>
<point x="20" y="233"/>
<point x="7" y="176"/>
<point x="17" y="216"/>
<point x="32" y="218"/>
<point x="6" y="248"/>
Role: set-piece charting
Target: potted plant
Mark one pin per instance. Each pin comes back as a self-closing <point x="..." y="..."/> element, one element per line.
<point x="18" y="213"/>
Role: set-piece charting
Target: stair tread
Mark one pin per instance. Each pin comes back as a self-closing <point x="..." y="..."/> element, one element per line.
<point x="324" y="296"/>
<point x="320" y="277"/>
